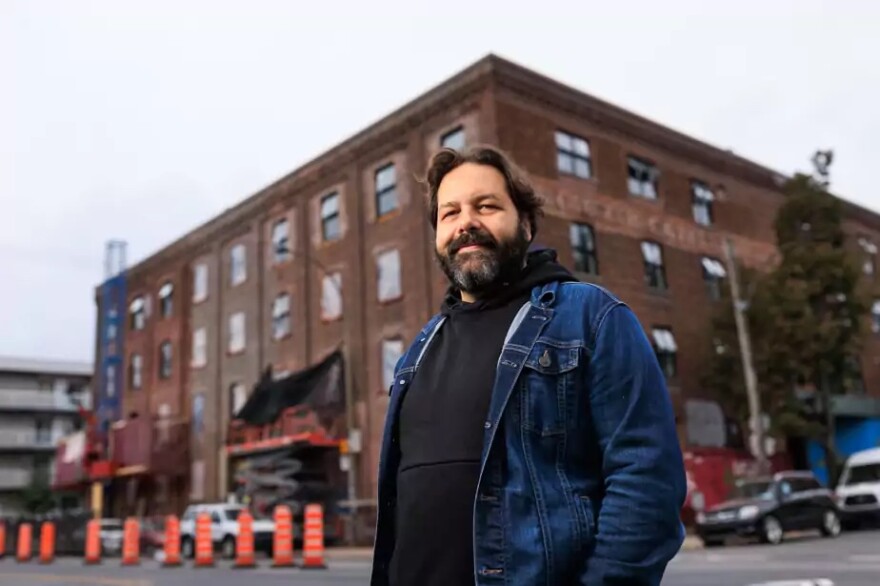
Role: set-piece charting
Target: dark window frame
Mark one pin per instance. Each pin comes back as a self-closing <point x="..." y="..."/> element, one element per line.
<point x="331" y="223"/>
<point x="655" y="274"/>
<point x="569" y="157"/>
<point x="387" y="201"/>
<point x="584" y="250"/>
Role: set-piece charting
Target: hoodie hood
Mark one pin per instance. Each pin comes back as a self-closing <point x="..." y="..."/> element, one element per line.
<point x="541" y="268"/>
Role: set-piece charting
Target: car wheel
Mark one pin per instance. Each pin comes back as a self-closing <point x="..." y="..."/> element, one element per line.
<point x="187" y="548"/>
<point x="771" y="530"/>
<point x="227" y="548"/>
<point x="830" y="524"/>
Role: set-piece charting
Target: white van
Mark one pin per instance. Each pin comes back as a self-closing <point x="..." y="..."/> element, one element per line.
<point x="858" y="492"/>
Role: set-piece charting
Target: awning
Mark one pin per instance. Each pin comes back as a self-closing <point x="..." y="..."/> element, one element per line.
<point x="714" y="268"/>
<point x="321" y="387"/>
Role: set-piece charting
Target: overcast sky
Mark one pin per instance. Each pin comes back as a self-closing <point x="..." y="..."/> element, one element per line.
<point x="141" y="120"/>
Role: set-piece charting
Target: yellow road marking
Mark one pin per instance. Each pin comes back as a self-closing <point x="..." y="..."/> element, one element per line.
<point x="88" y="580"/>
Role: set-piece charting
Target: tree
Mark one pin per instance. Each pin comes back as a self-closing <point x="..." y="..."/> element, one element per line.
<point x="805" y="318"/>
<point x="38" y="497"/>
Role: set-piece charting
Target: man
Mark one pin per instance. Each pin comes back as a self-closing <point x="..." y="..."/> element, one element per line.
<point x="530" y="439"/>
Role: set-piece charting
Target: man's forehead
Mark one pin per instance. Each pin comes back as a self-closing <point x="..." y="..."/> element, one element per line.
<point x="470" y="182"/>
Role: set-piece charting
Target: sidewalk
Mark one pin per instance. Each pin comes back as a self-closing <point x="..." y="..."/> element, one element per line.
<point x="691" y="543"/>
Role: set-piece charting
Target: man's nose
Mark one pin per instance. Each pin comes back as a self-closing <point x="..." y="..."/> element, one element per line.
<point x="467" y="221"/>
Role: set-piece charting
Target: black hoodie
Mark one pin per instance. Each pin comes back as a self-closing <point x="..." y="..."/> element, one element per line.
<point x="441" y="429"/>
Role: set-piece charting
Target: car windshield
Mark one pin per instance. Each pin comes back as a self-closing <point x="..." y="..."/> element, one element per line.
<point x="232" y="514"/>
<point x="751" y="490"/>
<point x="863" y="473"/>
<point x="111" y="524"/>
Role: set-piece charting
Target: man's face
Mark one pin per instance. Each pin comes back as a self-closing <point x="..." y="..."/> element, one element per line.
<point x="480" y="238"/>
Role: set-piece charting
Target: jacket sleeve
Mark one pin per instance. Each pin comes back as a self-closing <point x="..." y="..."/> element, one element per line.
<point x="638" y="528"/>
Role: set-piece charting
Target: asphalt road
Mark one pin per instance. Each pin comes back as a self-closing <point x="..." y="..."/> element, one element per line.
<point x="852" y="559"/>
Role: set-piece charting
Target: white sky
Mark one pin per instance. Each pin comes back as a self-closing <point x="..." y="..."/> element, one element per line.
<point x="141" y="120"/>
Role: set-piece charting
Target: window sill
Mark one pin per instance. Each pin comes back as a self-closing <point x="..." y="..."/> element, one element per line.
<point x="330" y="320"/>
<point x="231" y="353"/>
<point x="566" y="175"/>
<point x="390" y="300"/>
<point x="282" y="337"/>
<point x="388" y="216"/>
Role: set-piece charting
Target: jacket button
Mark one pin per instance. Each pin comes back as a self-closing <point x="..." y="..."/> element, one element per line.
<point x="487" y="425"/>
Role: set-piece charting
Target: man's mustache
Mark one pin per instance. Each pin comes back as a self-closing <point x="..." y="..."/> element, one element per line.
<point x="473" y="237"/>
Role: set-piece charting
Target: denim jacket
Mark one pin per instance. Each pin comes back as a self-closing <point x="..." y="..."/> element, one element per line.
<point x="582" y="478"/>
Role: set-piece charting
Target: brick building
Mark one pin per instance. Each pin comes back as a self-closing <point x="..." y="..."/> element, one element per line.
<point x="339" y="252"/>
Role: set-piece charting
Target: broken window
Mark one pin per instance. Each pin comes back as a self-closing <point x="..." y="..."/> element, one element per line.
<point x="200" y="282"/>
<point x="573" y="155"/>
<point x="138" y="312"/>
<point x="386" y="190"/>
<point x="713" y="274"/>
<point x="331" y="296"/>
<point x="388" y="275"/>
<point x="655" y="272"/>
<point x="666" y="350"/>
<point x="454" y="139"/>
<point x="642" y="180"/>
<point x="200" y="349"/>
<point x="135" y="371"/>
<point x="166" y="300"/>
<point x="392" y="350"/>
<point x="165" y="357"/>
<point x="331" y="228"/>
<point x="583" y="248"/>
<point x="237" y="265"/>
<point x="281" y="316"/>
<point x="236" y="340"/>
<point x="280" y="241"/>
<point x="702" y="198"/>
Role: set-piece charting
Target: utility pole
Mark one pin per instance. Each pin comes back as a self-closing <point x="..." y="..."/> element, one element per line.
<point x="745" y="346"/>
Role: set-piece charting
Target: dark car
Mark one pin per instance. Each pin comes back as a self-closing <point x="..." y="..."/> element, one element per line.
<point x="768" y="507"/>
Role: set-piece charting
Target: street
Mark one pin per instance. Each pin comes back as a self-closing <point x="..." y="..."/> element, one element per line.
<point x="853" y="559"/>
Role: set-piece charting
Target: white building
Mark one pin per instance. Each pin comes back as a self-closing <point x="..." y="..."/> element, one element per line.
<point x="39" y="402"/>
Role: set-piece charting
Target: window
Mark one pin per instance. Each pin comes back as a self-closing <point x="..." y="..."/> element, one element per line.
<point x="165" y="357"/>
<point x="583" y="247"/>
<point x="702" y="198"/>
<point x="386" y="190"/>
<point x="330" y="222"/>
<point x="236" y="340"/>
<point x="573" y="155"/>
<point x="110" y="381"/>
<point x="804" y="484"/>
<point x="200" y="350"/>
<point x="166" y="299"/>
<point x="281" y="316"/>
<point x="642" y="178"/>
<point x="454" y="139"/>
<point x="237" y="265"/>
<point x="237" y="398"/>
<point x="655" y="273"/>
<point x="280" y="241"/>
<point x="135" y="371"/>
<point x="875" y="317"/>
<point x="200" y="282"/>
<point x="869" y="266"/>
<point x="331" y="296"/>
<point x="713" y="274"/>
<point x="388" y="270"/>
<point x="392" y="350"/>
<point x="138" y="313"/>
<point x="43" y="431"/>
<point x="666" y="350"/>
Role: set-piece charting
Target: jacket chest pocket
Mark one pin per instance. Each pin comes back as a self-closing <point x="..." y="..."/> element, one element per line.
<point x="548" y="386"/>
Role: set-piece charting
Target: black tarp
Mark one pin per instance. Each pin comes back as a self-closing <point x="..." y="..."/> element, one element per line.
<point x="320" y="387"/>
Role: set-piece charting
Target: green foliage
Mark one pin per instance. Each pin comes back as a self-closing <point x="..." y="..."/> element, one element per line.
<point x="38" y="497"/>
<point x="805" y="319"/>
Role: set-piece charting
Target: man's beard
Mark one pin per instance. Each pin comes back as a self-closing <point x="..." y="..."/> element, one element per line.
<point x="479" y="271"/>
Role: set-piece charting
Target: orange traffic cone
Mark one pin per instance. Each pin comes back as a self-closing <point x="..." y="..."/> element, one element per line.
<point x="47" y="542"/>
<point x="93" y="543"/>
<point x="131" y="542"/>
<point x="282" y="546"/>
<point x="172" y="542"/>
<point x="313" y="538"/>
<point x="204" y="546"/>
<point x="24" y="545"/>
<point x="244" y="544"/>
<point x="2" y="540"/>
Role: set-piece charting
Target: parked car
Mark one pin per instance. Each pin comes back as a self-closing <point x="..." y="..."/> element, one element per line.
<point x="767" y="508"/>
<point x="858" y="491"/>
<point x="111" y="536"/>
<point x="224" y="529"/>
